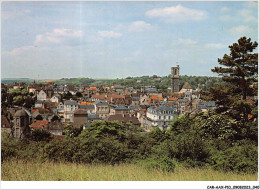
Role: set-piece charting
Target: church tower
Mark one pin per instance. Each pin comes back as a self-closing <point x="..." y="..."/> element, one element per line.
<point x="175" y="79"/>
<point x="21" y="123"/>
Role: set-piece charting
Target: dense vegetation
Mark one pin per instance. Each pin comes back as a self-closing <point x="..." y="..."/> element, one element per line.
<point x="17" y="97"/>
<point x="206" y="140"/>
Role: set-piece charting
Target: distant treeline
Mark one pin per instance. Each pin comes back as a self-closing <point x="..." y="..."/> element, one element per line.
<point x="161" y="83"/>
<point x="12" y="80"/>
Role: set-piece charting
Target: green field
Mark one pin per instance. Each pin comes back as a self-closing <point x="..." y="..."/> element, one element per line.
<point x="17" y="170"/>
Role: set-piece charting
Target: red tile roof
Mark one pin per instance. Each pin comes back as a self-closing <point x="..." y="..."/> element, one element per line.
<point x="101" y="97"/>
<point x="39" y="124"/>
<point x="172" y="99"/>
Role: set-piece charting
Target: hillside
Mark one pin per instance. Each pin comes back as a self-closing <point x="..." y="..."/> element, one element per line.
<point x="161" y="83"/>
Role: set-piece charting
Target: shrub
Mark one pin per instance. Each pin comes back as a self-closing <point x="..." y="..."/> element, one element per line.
<point x="240" y="158"/>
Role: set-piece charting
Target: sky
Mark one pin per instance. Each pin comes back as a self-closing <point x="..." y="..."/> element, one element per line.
<point x="52" y="40"/>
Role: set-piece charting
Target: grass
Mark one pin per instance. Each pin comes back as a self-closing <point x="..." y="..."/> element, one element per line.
<point x="18" y="170"/>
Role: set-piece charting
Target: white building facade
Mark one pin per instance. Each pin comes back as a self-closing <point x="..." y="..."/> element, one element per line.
<point x="160" y="116"/>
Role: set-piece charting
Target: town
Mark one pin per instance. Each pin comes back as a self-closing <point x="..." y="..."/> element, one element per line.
<point x="52" y="108"/>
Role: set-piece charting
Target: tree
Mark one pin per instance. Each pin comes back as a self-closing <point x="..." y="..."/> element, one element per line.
<point x="78" y="94"/>
<point x="24" y="92"/>
<point x="39" y="135"/>
<point x="18" y="100"/>
<point x="240" y="75"/>
<point x="71" y="131"/>
<point x="16" y="91"/>
<point x="241" y="66"/>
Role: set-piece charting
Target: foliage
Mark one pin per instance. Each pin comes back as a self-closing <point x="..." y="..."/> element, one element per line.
<point x="39" y="135"/>
<point x="240" y="158"/>
<point x="16" y="91"/>
<point x="240" y="74"/>
<point x="24" y="92"/>
<point x="241" y="66"/>
<point x="216" y="126"/>
<point x="71" y="131"/>
<point x="99" y="129"/>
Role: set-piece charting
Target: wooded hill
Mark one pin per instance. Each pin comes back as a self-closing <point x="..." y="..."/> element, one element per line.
<point x="161" y="83"/>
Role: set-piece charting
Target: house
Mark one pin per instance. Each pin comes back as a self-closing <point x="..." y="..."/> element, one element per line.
<point x="95" y="98"/>
<point x="135" y="101"/>
<point x="60" y="108"/>
<point x="160" y="116"/>
<point x="186" y="88"/>
<point x="89" y="108"/>
<point x="41" y="95"/>
<point x="119" y="89"/>
<point x="101" y="109"/>
<point x="80" y="117"/>
<point x="69" y="107"/>
<point x="172" y="100"/>
<point x="38" y="104"/>
<point x="39" y="124"/>
<point x="183" y="105"/>
<point x="120" y="109"/>
<point x="155" y="99"/>
<point x="144" y="99"/>
<point x="115" y="99"/>
<point x="5" y="124"/>
<point x="55" y="99"/>
<point x="188" y="96"/>
<point x="93" y="117"/>
<point x="36" y="116"/>
<point x="55" y="127"/>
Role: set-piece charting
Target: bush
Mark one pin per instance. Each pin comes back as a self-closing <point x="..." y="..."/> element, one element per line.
<point x="241" y="159"/>
<point x="39" y="135"/>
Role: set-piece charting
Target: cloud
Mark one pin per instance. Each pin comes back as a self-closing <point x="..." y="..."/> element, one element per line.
<point x="58" y="35"/>
<point x="175" y="14"/>
<point x="224" y="9"/>
<point x="109" y="34"/>
<point x="139" y="26"/>
<point x="215" y="45"/>
<point x="14" y="14"/>
<point x="241" y="30"/>
<point x="19" y="51"/>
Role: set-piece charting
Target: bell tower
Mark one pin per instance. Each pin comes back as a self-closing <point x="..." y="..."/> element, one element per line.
<point x="175" y="79"/>
<point x="21" y="124"/>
